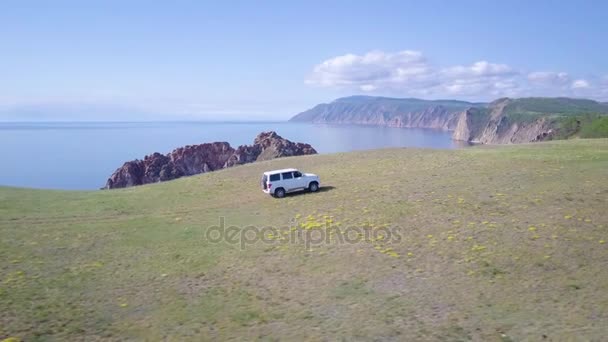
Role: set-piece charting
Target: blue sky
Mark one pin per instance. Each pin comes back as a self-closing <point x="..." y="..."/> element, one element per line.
<point x="256" y="60"/>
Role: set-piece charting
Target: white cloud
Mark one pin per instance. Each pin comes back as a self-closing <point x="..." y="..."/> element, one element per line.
<point x="480" y="69"/>
<point x="549" y="77"/>
<point x="370" y="69"/>
<point x="368" y="87"/>
<point x="580" y="84"/>
<point x="410" y="73"/>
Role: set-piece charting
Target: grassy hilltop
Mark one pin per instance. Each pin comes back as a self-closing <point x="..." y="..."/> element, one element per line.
<point x="495" y="243"/>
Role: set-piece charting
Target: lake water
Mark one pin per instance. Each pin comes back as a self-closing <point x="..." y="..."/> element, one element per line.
<point x="83" y="155"/>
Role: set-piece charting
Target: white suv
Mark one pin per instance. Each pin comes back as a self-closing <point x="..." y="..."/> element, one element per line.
<point x="279" y="182"/>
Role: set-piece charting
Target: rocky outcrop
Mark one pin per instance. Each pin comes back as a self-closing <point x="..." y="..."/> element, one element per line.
<point x="383" y="111"/>
<point x="195" y="159"/>
<point x="273" y="146"/>
<point x="244" y="154"/>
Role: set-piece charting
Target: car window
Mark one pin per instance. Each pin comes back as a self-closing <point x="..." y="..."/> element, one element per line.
<point x="297" y="174"/>
<point x="275" y="177"/>
<point x="287" y="175"/>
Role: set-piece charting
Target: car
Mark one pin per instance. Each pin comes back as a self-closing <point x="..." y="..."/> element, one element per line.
<point x="277" y="183"/>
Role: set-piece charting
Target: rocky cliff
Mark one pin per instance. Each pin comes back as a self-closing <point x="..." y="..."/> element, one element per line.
<point x="410" y="113"/>
<point x="503" y="121"/>
<point x="509" y="121"/>
<point x="477" y="126"/>
<point x="195" y="159"/>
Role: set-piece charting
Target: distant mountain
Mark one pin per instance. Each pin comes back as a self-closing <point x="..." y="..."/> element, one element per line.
<point x="439" y="114"/>
<point x="504" y="120"/>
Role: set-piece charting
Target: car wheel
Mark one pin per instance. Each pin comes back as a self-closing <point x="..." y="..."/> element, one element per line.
<point x="279" y="193"/>
<point x="313" y="187"/>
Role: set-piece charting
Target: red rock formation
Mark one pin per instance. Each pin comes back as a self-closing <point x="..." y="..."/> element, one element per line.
<point x="195" y="159"/>
<point x="273" y="146"/>
<point x="244" y="154"/>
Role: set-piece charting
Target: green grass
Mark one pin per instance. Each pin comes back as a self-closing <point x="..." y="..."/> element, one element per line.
<point x="596" y="128"/>
<point x="497" y="243"/>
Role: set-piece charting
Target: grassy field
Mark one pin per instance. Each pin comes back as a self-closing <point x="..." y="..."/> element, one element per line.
<point x="502" y="243"/>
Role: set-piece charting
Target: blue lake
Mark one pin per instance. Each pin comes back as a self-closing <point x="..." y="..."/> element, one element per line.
<point x="83" y="155"/>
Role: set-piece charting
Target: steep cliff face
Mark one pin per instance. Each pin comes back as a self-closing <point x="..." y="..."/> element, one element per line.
<point x="470" y="123"/>
<point x="195" y="159"/>
<point x="499" y="124"/>
<point x="410" y="113"/>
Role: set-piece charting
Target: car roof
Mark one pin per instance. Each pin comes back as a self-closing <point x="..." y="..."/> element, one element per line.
<point x="279" y="171"/>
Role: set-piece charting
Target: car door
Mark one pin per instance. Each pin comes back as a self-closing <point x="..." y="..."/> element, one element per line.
<point x="288" y="182"/>
<point x="299" y="180"/>
<point x="275" y="181"/>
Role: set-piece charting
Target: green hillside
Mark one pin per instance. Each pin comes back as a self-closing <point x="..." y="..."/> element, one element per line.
<point x="407" y="104"/>
<point x="357" y="108"/>
<point x="530" y="108"/>
<point x="502" y="243"/>
<point x="556" y="105"/>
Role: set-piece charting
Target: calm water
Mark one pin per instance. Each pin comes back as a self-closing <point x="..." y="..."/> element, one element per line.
<point x="83" y="155"/>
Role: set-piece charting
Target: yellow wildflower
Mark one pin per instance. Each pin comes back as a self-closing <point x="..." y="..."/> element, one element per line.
<point x="11" y="339"/>
<point x="477" y="248"/>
